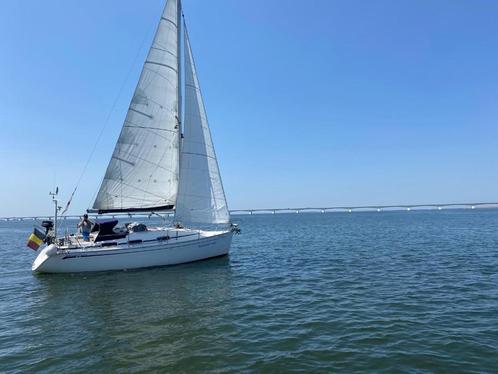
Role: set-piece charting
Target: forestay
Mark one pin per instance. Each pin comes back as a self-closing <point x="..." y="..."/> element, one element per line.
<point x="143" y="172"/>
<point x="201" y="198"/>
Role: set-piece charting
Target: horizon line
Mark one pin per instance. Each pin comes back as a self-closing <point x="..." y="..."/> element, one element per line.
<point x="325" y="209"/>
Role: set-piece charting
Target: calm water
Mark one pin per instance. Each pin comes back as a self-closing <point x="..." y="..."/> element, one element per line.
<point x="404" y="291"/>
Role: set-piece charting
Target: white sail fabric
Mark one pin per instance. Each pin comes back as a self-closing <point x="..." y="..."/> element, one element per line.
<point x="143" y="172"/>
<point x="201" y="198"/>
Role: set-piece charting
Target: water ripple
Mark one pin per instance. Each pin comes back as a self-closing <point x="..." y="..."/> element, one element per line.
<point x="375" y="292"/>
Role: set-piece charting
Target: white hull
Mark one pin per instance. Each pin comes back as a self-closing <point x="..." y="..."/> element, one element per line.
<point x="165" y="134"/>
<point x="132" y="256"/>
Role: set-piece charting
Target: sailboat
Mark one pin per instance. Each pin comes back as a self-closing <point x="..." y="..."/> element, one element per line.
<point x="164" y="161"/>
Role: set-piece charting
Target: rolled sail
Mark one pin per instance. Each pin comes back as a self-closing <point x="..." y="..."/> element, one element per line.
<point x="144" y="169"/>
<point x="201" y="198"/>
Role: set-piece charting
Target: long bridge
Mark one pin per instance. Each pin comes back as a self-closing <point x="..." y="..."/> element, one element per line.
<point x="327" y="209"/>
<point x="378" y="208"/>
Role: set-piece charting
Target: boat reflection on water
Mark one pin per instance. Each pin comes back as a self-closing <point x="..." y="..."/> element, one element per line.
<point x="158" y="309"/>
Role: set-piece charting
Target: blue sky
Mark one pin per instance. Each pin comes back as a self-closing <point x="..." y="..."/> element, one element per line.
<point x="311" y="103"/>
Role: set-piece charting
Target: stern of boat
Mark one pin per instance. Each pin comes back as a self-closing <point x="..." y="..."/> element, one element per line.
<point x="43" y="257"/>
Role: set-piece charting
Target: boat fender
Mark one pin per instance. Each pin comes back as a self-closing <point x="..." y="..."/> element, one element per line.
<point x="50" y="250"/>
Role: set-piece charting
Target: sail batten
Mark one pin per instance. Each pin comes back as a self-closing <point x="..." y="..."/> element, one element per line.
<point x="145" y="163"/>
<point x="201" y="198"/>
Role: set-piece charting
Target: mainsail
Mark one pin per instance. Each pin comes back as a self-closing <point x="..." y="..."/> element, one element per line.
<point x="201" y="198"/>
<point x="144" y="169"/>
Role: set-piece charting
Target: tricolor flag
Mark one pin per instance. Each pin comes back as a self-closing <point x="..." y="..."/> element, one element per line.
<point x="35" y="239"/>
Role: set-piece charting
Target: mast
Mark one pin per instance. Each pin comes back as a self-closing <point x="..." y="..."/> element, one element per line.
<point x="180" y="85"/>
<point x="179" y="67"/>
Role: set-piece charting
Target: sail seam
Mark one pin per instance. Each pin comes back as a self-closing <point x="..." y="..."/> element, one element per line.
<point x="144" y="191"/>
<point x="201" y="196"/>
<point x="144" y="160"/>
<point x="170" y="21"/>
<point x="161" y="64"/>
<point x="152" y="71"/>
<point x="150" y="201"/>
<point x="199" y="154"/>
<point x="152" y="163"/>
<point x="151" y="100"/>
<point x="152" y="131"/>
<point x="142" y="113"/>
<point x="150" y="128"/>
<point x="163" y="50"/>
<point x="123" y="160"/>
